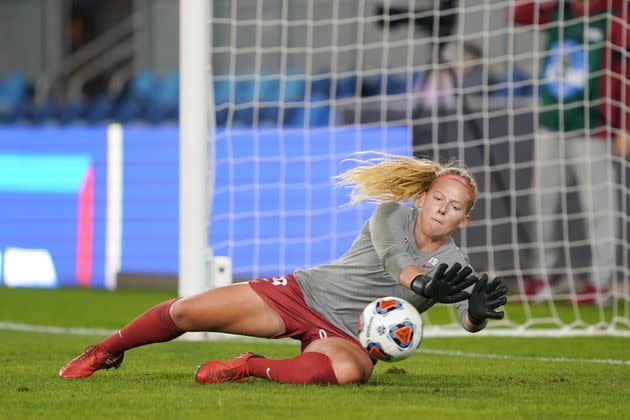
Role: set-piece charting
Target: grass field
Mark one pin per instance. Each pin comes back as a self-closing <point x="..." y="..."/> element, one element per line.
<point x="491" y="377"/>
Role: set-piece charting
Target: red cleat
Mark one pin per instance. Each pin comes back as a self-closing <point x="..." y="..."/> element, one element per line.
<point x="218" y="371"/>
<point x="93" y="358"/>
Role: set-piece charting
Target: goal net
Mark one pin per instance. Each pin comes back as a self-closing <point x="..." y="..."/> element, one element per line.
<point x="299" y="85"/>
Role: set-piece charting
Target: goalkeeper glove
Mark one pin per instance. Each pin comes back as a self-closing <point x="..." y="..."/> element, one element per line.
<point x="445" y="286"/>
<point x="485" y="298"/>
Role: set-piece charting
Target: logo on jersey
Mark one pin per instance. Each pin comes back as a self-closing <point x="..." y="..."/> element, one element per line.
<point x="279" y="281"/>
<point x="566" y="70"/>
<point x="594" y="35"/>
<point x="431" y="263"/>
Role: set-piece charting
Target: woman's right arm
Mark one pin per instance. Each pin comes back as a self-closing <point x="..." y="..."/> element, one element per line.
<point x="387" y="227"/>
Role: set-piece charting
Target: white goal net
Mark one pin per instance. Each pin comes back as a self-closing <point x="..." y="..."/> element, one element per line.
<point x="300" y="84"/>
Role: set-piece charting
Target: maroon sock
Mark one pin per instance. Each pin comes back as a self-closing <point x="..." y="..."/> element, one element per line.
<point x="306" y="368"/>
<point x="153" y="326"/>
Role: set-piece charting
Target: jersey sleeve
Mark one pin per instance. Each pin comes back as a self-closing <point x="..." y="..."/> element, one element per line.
<point x="387" y="227"/>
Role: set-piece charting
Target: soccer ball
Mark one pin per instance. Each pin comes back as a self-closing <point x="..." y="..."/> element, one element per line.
<point x="390" y="329"/>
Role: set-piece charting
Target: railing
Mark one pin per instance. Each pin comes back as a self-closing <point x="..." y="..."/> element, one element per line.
<point x="106" y="54"/>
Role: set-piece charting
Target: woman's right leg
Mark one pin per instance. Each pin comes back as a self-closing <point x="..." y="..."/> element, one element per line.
<point x="233" y="309"/>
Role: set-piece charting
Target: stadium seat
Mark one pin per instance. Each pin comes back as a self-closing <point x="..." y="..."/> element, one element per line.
<point x="163" y="104"/>
<point x="318" y="113"/>
<point x="244" y="101"/>
<point x="268" y="96"/>
<point x="321" y="84"/>
<point x="222" y="88"/>
<point x="13" y="98"/>
<point x="99" y="109"/>
<point x="143" y="86"/>
<point x="137" y="96"/>
<point x="294" y="87"/>
<point x="72" y="111"/>
<point x="127" y="111"/>
<point x="371" y="85"/>
<point x="396" y="84"/>
<point x="346" y="86"/>
<point x="221" y="116"/>
<point x="268" y="88"/>
<point x="45" y="112"/>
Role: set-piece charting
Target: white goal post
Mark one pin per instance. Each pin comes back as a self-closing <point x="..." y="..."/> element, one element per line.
<point x="276" y="93"/>
<point x="196" y="133"/>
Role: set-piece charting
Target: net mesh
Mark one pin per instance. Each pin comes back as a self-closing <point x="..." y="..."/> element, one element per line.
<point x="301" y="84"/>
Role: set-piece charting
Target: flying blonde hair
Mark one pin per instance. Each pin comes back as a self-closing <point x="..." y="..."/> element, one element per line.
<point x="390" y="177"/>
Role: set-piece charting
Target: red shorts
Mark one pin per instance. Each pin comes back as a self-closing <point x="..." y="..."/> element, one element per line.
<point x="300" y="321"/>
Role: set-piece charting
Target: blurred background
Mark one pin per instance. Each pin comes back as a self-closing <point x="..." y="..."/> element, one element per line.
<point x="90" y="62"/>
<point x="89" y="136"/>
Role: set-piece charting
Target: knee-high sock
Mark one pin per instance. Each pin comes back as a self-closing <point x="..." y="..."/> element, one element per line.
<point x="153" y="326"/>
<point x="306" y="368"/>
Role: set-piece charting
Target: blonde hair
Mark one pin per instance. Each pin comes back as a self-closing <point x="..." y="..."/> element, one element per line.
<point x="398" y="178"/>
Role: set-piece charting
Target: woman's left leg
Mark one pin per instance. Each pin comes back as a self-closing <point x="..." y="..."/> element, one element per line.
<point x="235" y="309"/>
<point x="332" y="360"/>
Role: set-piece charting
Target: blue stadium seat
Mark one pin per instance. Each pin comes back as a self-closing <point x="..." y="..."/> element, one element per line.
<point x="346" y="86"/>
<point x="318" y="112"/>
<point x="269" y="88"/>
<point x="221" y="116"/>
<point x="163" y="105"/>
<point x="244" y="101"/>
<point x="44" y="113"/>
<point x="139" y="93"/>
<point x="268" y="97"/>
<point x="321" y="85"/>
<point x="371" y="85"/>
<point x="143" y="86"/>
<point x="13" y="98"/>
<point x="72" y="111"/>
<point x="127" y="110"/>
<point x="222" y="88"/>
<point x="244" y="90"/>
<point x="98" y="110"/>
<point x="396" y="84"/>
<point x="294" y="88"/>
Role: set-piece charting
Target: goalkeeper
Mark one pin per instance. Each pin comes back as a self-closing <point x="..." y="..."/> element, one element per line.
<point x="401" y="251"/>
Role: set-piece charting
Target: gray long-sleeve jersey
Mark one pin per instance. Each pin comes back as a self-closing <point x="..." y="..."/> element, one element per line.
<point x="371" y="268"/>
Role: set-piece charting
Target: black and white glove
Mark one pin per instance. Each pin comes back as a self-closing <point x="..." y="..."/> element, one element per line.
<point x="445" y="286"/>
<point x="485" y="298"/>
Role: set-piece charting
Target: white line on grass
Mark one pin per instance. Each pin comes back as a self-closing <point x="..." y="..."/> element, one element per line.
<point x="513" y="357"/>
<point x="49" y="329"/>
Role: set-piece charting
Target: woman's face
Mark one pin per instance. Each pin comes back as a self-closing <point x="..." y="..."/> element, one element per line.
<point x="444" y="208"/>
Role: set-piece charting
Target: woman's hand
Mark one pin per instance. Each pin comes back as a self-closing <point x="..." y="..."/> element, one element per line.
<point x="485" y="298"/>
<point x="445" y="286"/>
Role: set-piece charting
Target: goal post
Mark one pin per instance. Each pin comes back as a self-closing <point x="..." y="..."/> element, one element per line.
<point x="292" y="87"/>
<point x="195" y="146"/>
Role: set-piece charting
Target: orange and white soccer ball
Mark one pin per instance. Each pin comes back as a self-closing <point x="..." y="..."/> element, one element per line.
<point x="390" y="329"/>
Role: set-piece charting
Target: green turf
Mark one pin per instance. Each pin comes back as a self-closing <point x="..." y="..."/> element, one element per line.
<point x="156" y="381"/>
